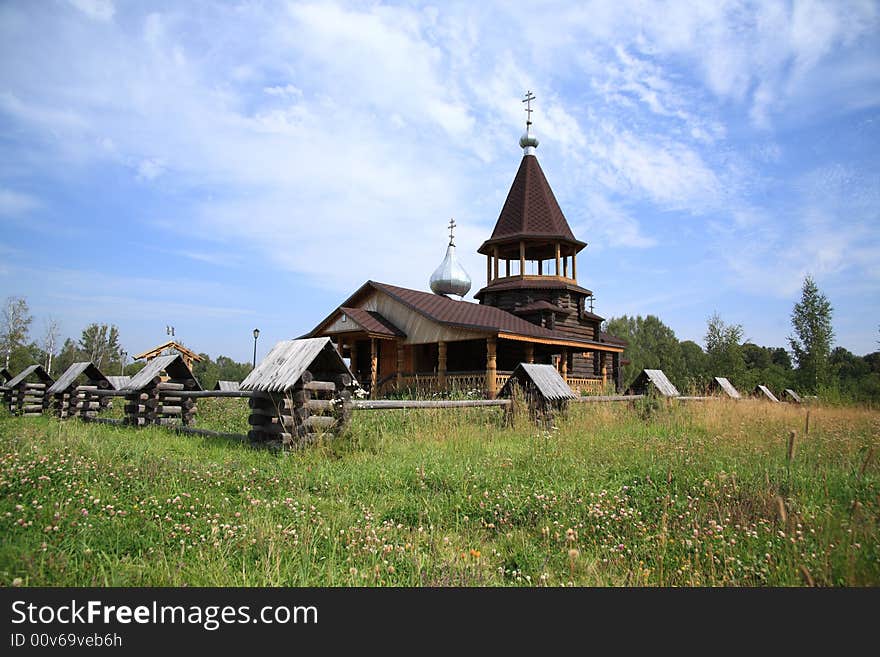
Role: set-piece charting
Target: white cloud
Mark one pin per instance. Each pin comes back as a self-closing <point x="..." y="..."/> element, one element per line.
<point x="14" y="204"/>
<point x="101" y="10"/>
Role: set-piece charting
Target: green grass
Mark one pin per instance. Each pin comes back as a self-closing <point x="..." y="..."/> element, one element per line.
<point x="698" y="494"/>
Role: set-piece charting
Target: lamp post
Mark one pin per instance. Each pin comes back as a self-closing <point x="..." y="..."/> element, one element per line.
<point x="256" y="335"/>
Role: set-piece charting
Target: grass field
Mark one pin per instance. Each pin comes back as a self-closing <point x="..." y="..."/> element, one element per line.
<point x="690" y="494"/>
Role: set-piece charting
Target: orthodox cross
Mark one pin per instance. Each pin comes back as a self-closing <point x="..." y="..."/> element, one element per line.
<point x="592" y="299"/>
<point x="528" y="101"/>
<point x="452" y="226"/>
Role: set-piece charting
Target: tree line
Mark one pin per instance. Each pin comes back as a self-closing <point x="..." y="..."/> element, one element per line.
<point x="809" y="365"/>
<point x="98" y="343"/>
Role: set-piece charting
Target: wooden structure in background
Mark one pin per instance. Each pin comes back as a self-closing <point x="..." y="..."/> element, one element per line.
<point x="27" y="391"/>
<point x="723" y="385"/>
<point x="227" y="386"/>
<point x="792" y="396"/>
<point x="72" y="395"/>
<point x="544" y="389"/>
<point x="152" y="395"/>
<point x="649" y="381"/>
<point x="118" y="382"/>
<point x="189" y="356"/>
<point x="763" y="392"/>
<point x="301" y="389"/>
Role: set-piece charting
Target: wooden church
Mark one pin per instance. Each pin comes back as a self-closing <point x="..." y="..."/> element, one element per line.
<point x="531" y="310"/>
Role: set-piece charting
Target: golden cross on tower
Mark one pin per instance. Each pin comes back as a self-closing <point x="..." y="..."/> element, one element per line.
<point x="528" y="101"/>
<point x="452" y="226"/>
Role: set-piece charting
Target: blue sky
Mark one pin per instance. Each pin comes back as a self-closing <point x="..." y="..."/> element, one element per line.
<point x="225" y="166"/>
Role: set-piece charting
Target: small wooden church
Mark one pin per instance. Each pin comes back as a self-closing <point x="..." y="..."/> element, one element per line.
<point x="531" y="310"/>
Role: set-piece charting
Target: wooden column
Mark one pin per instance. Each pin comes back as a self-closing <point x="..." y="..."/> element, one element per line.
<point x="540" y="267"/>
<point x="574" y="266"/>
<point x="563" y="365"/>
<point x="507" y="266"/>
<point x="491" y="366"/>
<point x="557" y="258"/>
<point x="617" y="371"/>
<point x="374" y="367"/>
<point x="530" y="353"/>
<point x="400" y="360"/>
<point x="565" y="266"/>
<point x="522" y="258"/>
<point x="488" y="269"/>
<point x="603" y="364"/>
<point x="441" y="364"/>
<point x="495" y="257"/>
<point x="340" y="345"/>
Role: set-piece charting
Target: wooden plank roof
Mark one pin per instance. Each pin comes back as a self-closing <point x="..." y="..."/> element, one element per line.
<point x="530" y="210"/>
<point x="171" y="344"/>
<point x="173" y="365"/>
<point x="72" y="373"/>
<point x="227" y="386"/>
<point x="282" y="368"/>
<point x="545" y="379"/>
<point x="659" y="380"/>
<point x="726" y="387"/>
<point x="118" y="382"/>
<point x="531" y="283"/>
<point x="26" y="373"/>
<point x="765" y="391"/>
<point x="793" y="396"/>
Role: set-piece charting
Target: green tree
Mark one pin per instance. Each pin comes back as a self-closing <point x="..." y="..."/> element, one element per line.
<point x="695" y="361"/>
<point x="652" y="345"/>
<point x="68" y="355"/>
<point x="99" y="344"/>
<point x="16" y="322"/>
<point x="811" y="344"/>
<point x="723" y="349"/>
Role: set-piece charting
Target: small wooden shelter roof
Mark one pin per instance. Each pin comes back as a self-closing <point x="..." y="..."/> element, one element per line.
<point x="227" y="386"/>
<point x="721" y="383"/>
<point x="26" y="373"/>
<point x="171" y="344"/>
<point x="282" y="368"/>
<point x="118" y="382"/>
<point x="173" y="365"/>
<point x="659" y="380"/>
<point x="545" y="379"/>
<point x="765" y="391"/>
<point x="792" y="395"/>
<point x="73" y="372"/>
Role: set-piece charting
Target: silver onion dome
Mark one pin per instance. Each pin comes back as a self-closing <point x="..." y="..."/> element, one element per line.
<point x="528" y="142"/>
<point x="450" y="277"/>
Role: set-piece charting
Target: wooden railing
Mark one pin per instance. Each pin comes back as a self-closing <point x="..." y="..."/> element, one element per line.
<point x="588" y="386"/>
<point x="455" y="381"/>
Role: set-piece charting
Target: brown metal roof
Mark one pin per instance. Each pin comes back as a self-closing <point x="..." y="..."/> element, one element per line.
<point x="373" y="323"/>
<point x="611" y="339"/>
<point x="538" y="283"/>
<point x="531" y="210"/>
<point x="463" y="314"/>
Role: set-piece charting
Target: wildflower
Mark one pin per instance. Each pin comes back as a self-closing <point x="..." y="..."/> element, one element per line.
<point x="17" y="582"/>
<point x="573" y="553"/>
<point x="570" y="535"/>
<point x="475" y="553"/>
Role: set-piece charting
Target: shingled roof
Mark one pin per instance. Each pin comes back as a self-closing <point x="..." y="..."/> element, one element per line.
<point x="373" y="323"/>
<point x="283" y="367"/>
<point x="537" y="283"/>
<point x="462" y="314"/>
<point x="173" y="365"/>
<point x="530" y="211"/>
